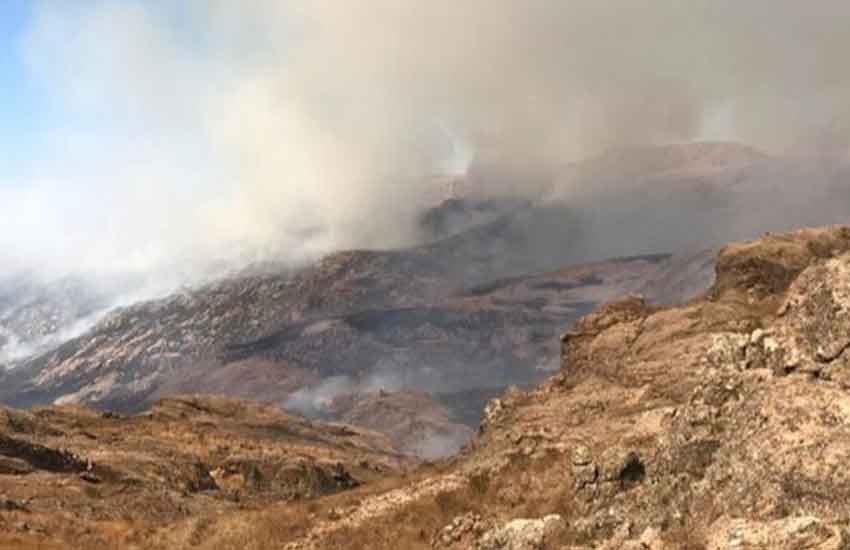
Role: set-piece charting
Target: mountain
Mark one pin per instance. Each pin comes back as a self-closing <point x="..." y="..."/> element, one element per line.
<point x="458" y="319"/>
<point x="721" y="422"/>
<point x="478" y="235"/>
<point x="364" y="316"/>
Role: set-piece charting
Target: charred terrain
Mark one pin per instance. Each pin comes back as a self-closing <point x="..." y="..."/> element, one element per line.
<point x="718" y="423"/>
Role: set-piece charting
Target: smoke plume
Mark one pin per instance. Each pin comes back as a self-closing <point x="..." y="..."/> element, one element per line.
<point x="202" y="132"/>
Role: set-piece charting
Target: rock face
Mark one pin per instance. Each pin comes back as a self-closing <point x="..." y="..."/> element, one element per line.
<point x="519" y="534"/>
<point x="792" y="533"/>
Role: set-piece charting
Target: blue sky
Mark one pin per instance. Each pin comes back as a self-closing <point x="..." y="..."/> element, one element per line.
<point x="24" y="108"/>
<point x="30" y="113"/>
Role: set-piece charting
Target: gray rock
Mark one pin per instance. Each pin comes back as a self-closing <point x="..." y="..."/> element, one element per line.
<point x="519" y="534"/>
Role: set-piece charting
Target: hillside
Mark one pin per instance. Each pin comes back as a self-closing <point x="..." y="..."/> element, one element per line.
<point x="368" y="318"/>
<point x="72" y="477"/>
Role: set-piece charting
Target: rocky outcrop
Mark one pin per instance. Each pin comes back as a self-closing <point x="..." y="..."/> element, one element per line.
<point x="518" y="534"/>
<point x="791" y="533"/>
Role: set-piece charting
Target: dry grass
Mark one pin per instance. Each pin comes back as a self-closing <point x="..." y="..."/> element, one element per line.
<point x="153" y="472"/>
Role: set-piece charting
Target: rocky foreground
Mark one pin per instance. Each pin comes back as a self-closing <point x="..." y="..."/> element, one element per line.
<point x="722" y="423"/>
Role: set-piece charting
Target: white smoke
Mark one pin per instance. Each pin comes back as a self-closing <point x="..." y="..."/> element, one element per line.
<point x="318" y="400"/>
<point x="205" y="132"/>
<point x="14" y="348"/>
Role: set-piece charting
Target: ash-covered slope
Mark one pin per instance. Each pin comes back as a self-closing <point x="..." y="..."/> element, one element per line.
<point x="717" y="424"/>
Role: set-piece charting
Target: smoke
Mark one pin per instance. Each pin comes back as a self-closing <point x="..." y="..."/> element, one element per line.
<point x="424" y="434"/>
<point x="317" y="401"/>
<point x="436" y="446"/>
<point x="202" y="133"/>
<point x="14" y="347"/>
